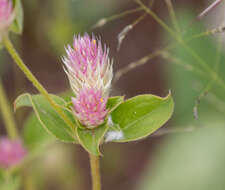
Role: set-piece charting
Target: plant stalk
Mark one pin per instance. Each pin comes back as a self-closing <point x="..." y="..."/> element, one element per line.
<point x="15" y="56"/>
<point x="7" y="114"/>
<point x="95" y="172"/>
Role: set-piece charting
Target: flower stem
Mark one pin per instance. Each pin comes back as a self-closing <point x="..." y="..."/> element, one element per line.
<point x="7" y="114"/>
<point x="95" y="172"/>
<point x="10" y="48"/>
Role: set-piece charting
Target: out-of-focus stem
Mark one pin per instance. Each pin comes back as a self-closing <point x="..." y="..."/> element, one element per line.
<point x="104" y="21"/>
<point x="173" y="15"/>
<point x="95" y="172"/>
<point x="7" y="114"/>
<point x="203" y="64"/>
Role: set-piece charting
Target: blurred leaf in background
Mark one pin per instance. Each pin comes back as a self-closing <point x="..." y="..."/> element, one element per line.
<point x="54" y="161"/>
<point x="191" y="83"/>
<point x="189" y="161"/>
<point x="195" y="159"/>
<point x="56" y="168"/>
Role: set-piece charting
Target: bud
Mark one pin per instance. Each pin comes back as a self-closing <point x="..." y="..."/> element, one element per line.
<point x="11" y="152"/>
<point x="7" y="15"/>
<point x="87" y="65"/>
<point x="89" y="70"/>
<point x="90" y="107"/>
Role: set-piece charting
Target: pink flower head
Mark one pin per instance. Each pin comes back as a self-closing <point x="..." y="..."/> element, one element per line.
<point x="6" y="14"/>
<point x="11" y="152"/>
<point x="87" y="65"/>
<point x="90" y="107"/>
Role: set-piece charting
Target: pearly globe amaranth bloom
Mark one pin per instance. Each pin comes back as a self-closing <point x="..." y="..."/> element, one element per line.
<point x="89" y="70"/>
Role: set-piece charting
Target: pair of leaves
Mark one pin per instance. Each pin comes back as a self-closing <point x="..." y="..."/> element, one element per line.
<point x="135" y="118"/>
<point x="56" y="126"/>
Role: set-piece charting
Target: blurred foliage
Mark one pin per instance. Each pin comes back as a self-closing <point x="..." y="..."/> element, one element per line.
<point x="56" y="168"/>
<point x="190" y="83"/>
<point x="9" y="182"/>
<point x="195" y="159"/>
<point x="189" y="161"/>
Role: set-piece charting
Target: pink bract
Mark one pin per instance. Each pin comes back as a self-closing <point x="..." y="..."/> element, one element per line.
<point x="90" y="107"/>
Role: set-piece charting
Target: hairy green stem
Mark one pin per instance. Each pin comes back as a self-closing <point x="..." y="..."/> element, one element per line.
<point x="10" y="48"/>
<point x="95" y="172"/>
<point x="7" y="114"/>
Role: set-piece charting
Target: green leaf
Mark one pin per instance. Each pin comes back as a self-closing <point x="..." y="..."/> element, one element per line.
<point x="114" y="102"/>
<point x="91" y="139"/>
<point x="140" y="116"/>
<point x="34" y="134"/>
<point x="17" y="25"/>
<point x="48" y="117"/>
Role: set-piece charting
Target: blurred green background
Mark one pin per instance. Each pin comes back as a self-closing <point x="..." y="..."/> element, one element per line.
<point x="186" y="154"/>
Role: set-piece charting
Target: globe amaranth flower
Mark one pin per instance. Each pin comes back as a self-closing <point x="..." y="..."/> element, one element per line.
<point x="89" y="70"/>
<point x="7" y="15"/>
<point x="11" y="152"/>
